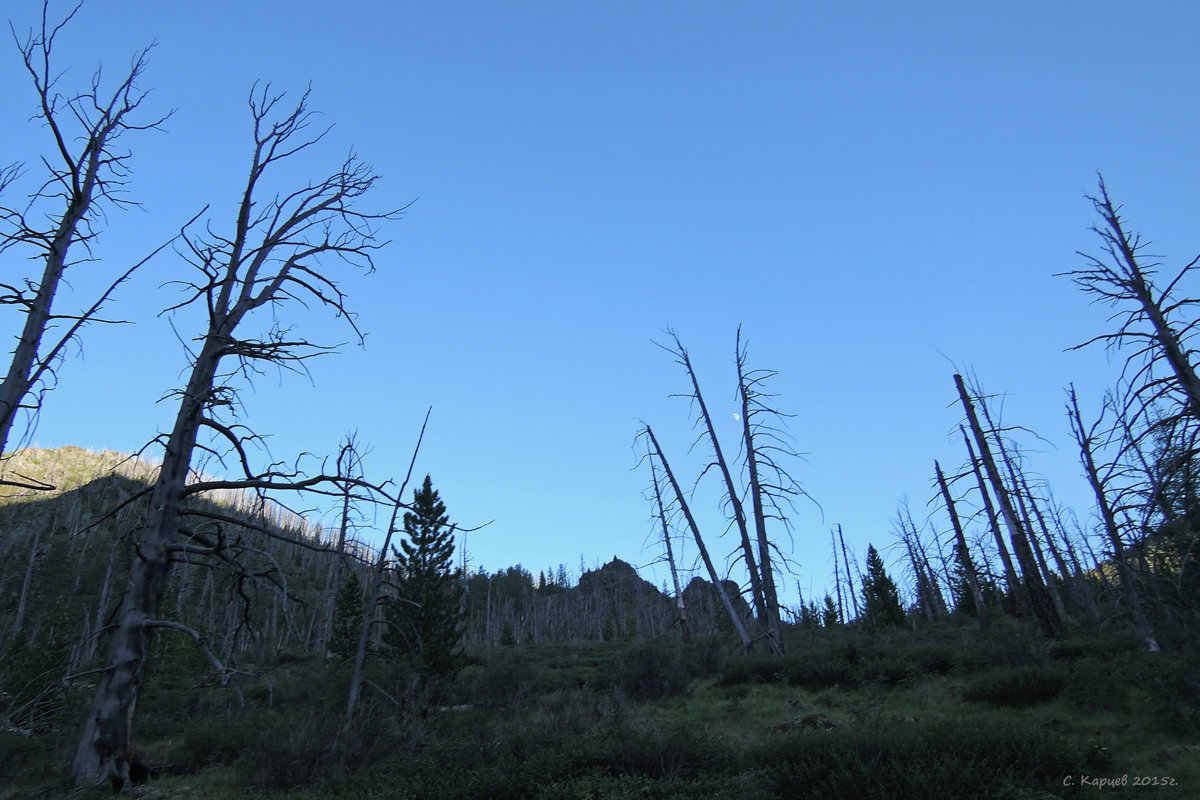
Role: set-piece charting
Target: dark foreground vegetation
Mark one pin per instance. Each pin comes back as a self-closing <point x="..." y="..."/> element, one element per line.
<point x="941" y="713"/>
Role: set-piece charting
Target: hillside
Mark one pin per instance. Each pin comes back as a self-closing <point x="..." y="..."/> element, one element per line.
<point x="567" y="689"/>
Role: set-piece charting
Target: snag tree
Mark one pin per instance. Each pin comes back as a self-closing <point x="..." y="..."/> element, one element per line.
<point x="278" y="249"/>
<point x="85" y="172"/>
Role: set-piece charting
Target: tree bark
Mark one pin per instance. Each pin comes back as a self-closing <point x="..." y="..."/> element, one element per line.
<point x="106" y="748"/>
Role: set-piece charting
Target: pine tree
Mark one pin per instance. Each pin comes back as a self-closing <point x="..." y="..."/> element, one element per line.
<point x="882" y="598"/>
<point x="426" y="622"/>
<point x="829" y="614"/>
<point x="348" y="618"/>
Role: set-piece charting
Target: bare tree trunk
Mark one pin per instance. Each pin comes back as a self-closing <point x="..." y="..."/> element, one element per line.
<point x="1043" y="607"/>
<point x="375" y="587"/>
<point x="684" y="628"/>
<point x="239" y="273"/>
<point x="853" y="592"/>
<point x="81" y="179"/>
<point x="760" y="494"/>
<point x="718" y="586"/>
<point x="27" y="581"/>
<point x="735" y="503"/>
<point x="964" y="552"/>
<point x="1125" y="280"/>
<point x="1141" y="624"/>
<point x="106" y="748"/>
<point x="1024" y="502"/>
<point x="1016" y="588"/>
<point x="837" y="578"/>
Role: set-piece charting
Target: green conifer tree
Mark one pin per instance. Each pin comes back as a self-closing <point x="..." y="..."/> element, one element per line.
<point x="882" y="598"/>
<point x="347" y="619"/>
<point x="426" y="621"/>
<point x="829" y="614"/>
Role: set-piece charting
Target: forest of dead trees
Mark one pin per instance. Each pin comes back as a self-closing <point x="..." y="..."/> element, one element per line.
<point x="113" y="564"/>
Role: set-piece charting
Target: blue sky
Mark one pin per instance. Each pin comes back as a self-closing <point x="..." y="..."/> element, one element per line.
<point x="875" y="192"/>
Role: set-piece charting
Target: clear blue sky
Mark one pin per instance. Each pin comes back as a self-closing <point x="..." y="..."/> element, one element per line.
<point x="876" y="192"/>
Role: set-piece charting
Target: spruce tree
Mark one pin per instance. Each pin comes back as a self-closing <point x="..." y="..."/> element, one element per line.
<point x="829" y="614"/>
<point x="880" y="594"/>
<point x="426" y="621"/>
<point x="348" y="618"/>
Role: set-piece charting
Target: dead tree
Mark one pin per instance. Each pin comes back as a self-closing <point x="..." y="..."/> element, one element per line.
<point x="375" y="589"/>
<point x="837" y="578"/>
<point x="929" y="595"/>
<point x="1017" y="489"/>
<point x="1043" y="607"/>
<point x="964" y="552"/>
<point x="661" y="511"/>
<point x="1016" y="589"/>
<point x="849" y="580"/>
<point x="1085" y="438"/>
<point x="350" y="466"/>
<point x="733" y="496"/>
<point x="718" y="585"/>
<point x="771" y="486"/>
<point x="86" y="172"/>
<point x="278" y="249"/>
<point x="1162" y="362"/>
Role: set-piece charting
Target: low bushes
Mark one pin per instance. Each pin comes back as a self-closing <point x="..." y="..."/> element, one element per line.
<point x="1016" y="687"/>
<point x="941" y="760"/>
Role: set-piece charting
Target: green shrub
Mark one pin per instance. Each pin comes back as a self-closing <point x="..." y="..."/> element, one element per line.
<point x="678" y="751"/>
<point x="889" y="671"/>
<point x="933" y="659"/>
<point x="708" y="656"/>
<point x="1103" y="647"/>
<point x="944" y="760"/>
<point x="653" y="669"/>
<point x="818" y="673"/>
<point x="751" y="669"/>
<point x="1022" y="686"/>
<point x="1094" y="685"/>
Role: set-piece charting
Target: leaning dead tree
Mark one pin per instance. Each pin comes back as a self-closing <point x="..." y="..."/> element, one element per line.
<point x="1016" y="589"/>
<point x="1042" y="605"/>
<point x="961" y="550"/>
<point x="279" y="248"/>
<point x="375" y="591"/>
<point x="733" y="495"/>
<point x="660" y="511"/>
<point x="1085" y="438"/>
<point x="1160" y="365"/>
<point x="718" y="585"/>
<point x="85" y="172"/>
